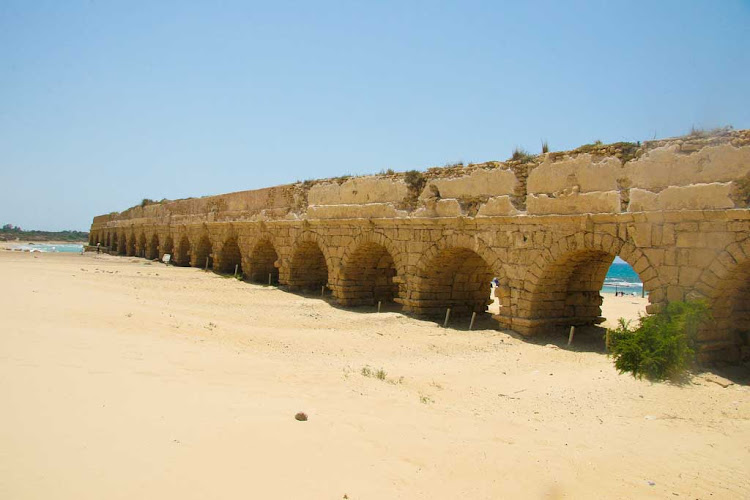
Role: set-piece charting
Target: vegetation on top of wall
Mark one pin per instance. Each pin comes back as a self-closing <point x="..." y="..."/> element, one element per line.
<point x="415" y="183"/>
<point x="625" y="151"/>
<point x="521" y="155"/>
<point x="662" y="346"/>
<point x="701" y="133"/>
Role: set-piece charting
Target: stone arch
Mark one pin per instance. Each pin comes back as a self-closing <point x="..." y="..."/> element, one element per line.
<point x="371" y="271"/>
<point x="130" y="245"/>
<point x="264" y="262"/>
<point x="229" y="256"/>
<point x="456" y="272"/>
<point x="152" y="249"/>
<point x="309" y="266"/>
<point x="563" y="285"/>
<point x="203" y="250"/>
<point x="141" y="247"/>
<point x="122" y="244"/>
<point x="167" y="247"/>
<point x="725" y="284"/>
<point x="182" y="251"/>
<point x="108" y="240"/>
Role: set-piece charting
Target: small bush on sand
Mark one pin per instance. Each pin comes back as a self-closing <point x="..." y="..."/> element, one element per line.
<point x="662" y="346"/>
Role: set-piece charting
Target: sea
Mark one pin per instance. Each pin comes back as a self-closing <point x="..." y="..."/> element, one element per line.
<point x="621" y="277"/>
<point x="47" y="247"/>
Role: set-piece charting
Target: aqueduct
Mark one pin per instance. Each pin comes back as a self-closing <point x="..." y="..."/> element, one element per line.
<point x="547" y="227"/>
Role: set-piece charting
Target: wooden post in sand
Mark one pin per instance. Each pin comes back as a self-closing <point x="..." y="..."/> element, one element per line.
<point x="269" y="279"/>
<point x="606" y="341"/>
<point x="447" y="317"/>
<point x="379" y="304"/>
<point x="572" y="332"/>
<point x="236" y="267"/>
<point x="323" y="291"/>
<point x="206" y="268"/>
<point x="473" y="317"/>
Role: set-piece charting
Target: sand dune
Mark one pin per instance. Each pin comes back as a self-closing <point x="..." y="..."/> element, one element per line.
<point x="125" y="379"/>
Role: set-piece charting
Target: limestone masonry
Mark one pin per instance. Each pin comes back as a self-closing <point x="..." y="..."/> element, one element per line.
<point x="547" y="227"/>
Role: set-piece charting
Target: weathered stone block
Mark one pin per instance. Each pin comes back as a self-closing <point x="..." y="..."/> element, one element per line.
<point x="360" y="190"/>
<point x="692" y="197"/>
<point x="577" y="203"/>
<point x="580" y="172"/>
<point x="497" y="206"/>
<point x="480" y="182"/>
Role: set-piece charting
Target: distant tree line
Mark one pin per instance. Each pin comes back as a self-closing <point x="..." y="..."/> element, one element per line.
<point x="10" y="232"/>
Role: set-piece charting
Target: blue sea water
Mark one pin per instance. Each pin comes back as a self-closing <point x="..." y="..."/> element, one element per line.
<point x="44" y="247"/>
<point x="622" y="278"/>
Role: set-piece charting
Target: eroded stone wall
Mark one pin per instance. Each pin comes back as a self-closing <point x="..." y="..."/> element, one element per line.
<point x="547" y="227"/>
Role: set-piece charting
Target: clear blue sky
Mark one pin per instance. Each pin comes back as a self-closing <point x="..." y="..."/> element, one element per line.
<point x="103" y="103"/>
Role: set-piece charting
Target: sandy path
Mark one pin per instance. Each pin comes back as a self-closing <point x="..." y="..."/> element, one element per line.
<point x="122" y="379"/>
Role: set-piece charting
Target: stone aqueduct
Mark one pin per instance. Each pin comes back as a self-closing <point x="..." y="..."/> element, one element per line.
<point x="548" y="227"/>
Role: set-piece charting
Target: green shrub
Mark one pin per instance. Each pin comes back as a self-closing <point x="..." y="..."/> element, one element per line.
<point x="662" y="346"/>
<point x="521" y="155"/>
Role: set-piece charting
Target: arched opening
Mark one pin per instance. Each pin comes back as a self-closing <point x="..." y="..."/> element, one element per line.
<point x="167" y="247"/>
<point x="152" y="250"/>
<point x="182" y="256"/>
<point x="263" y="263"/>
<point x="130" y="245"/>
<point x="573" y="289"/>
<point x="308" y="270"/>
<point x="202" y="252"/>
<point x="368" y="277"/>
<point x="457" y="278"/>
<point x="230" y="257"/>
<point x="122" y="245"/>
<point x="108" y="241"/>
<point x="623" y="294"/>
<point x="730" y="331"/>
<point x="141" y="251"/>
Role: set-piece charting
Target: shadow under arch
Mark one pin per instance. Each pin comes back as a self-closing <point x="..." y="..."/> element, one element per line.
<point x="369" y="272"/>
<point x="122" y="244"/>
<point x="456" y="273"/>
<point x="564" y="288"/>
<point x="230" y="256"/>
<point x="182" y="253"/>
<point x="152" y="249"/>
<point x="308" y="269"/>
<point x="141" y="249"/>
<point x="167" y="247"/>
<point x="263" y="260"/>
<point x="130" y="245"/>
<point x="727" y="281"/>
<point x="202" y="252"/>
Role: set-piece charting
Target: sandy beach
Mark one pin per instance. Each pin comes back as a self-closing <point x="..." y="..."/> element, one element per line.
<point x="122" y="378"/>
